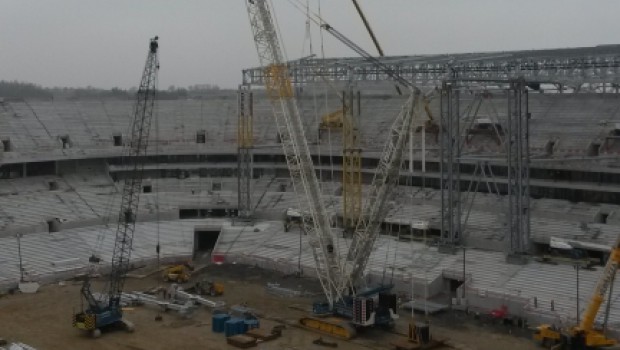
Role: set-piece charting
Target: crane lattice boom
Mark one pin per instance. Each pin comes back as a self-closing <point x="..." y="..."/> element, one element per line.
<point x="587" y="321"/>
<point x="315" y="220"/>
<point x="383" y="183"/>
<point x="133" y="157"/>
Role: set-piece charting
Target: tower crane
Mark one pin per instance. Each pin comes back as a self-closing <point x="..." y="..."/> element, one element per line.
<point x="584" y="335"/>
<point x="106" y="310"/>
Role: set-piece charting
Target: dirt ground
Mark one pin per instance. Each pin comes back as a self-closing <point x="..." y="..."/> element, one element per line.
<point x="43" y="320"/>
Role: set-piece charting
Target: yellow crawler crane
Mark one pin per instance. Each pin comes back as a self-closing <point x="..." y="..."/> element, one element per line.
<point x="584" y="335"/>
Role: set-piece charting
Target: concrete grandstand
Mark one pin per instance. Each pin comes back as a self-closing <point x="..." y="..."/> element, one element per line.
<point x="60" y="178"/>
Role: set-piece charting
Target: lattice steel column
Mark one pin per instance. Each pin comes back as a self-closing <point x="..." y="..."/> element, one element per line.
<point x="245" y="143"/>
<point x="351" y="161"/>
<point x="518" y="171"/>
<point x="450" y="154"/>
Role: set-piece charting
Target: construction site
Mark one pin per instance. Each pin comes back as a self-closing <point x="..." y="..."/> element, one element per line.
<point x="453" y="201"/>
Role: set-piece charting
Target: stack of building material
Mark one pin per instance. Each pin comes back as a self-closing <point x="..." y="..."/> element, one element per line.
<point x="263" y="334"/>
<point x="241" y="341"/>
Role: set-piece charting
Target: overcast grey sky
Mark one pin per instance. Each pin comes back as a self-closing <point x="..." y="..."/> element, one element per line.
<point x="103" y="43"/>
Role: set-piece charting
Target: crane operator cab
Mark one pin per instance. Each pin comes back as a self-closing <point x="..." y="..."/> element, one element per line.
<point x="293" y="217"/>
<point x="154" y="45"/>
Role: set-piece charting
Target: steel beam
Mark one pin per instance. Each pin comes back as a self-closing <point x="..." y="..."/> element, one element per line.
<point x="517" y="152"/>
<point x="571" y="67"/>
<point x="450" y="155"/>
<point x="245" y="144"/>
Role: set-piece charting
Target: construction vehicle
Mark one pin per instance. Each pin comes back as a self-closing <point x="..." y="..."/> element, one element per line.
<point x="584" y="335"/>
<point x="430" y="126"/>
<point x="293" y="217"/>
<point x="178" y="273"/>
<point x="338" y="277"/>
<point x="332" y="120"/>
<point x="105" y="311"/>
<point x="207" y="287"/>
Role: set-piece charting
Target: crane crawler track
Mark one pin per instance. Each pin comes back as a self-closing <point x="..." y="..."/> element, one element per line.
<point x="331" y="326"/>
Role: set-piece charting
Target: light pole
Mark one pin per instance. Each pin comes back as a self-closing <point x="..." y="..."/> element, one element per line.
<point x="19" y="254"/>
<point x="463" y="294"/>
<point x="299" y="257"/>
<point x="577" y="271"/>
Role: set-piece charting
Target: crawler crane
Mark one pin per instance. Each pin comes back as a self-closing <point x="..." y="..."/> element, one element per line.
<point x="340" y="278"/>
<point x="106" y="311"/>
<point x="584" y="335"/>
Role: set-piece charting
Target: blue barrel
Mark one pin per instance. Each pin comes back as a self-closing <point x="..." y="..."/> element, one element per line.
<point x="219" y="320"/>
<point x="251" y="324"/>
<point x="234" y="326"/>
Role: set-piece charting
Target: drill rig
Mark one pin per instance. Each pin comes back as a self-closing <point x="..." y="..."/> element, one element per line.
<point x="105" y="310"/>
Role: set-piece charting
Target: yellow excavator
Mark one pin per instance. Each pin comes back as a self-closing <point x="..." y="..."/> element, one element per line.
<point x="584" y="335"/>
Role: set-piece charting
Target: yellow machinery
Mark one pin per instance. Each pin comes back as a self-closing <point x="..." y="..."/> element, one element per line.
<point x="430" y="125"/>
<point x="178" y="273"/>
<point x="333" y="120"/>
<point x="344" y="119"/>
<point x="206" y="287"/>
<point x="583" y="335"/>
<point x="333" y="326"/>
<point x="351" y="164"/>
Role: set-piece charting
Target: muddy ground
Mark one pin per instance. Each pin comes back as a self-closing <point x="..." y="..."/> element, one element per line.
<point x="43" y="320"/>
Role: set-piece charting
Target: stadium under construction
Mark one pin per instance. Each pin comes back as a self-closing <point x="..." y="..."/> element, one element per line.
<point x="505" y="194"/>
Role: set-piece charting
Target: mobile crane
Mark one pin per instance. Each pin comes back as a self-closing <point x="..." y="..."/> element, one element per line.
<point x="106" y="310"/>
<point x="339" y="278"/>
<point x="584" y="335"/>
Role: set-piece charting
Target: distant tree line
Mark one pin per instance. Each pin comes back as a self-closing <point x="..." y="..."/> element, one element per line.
<point x="21" y="90"/>
<point x="16" y="89"/>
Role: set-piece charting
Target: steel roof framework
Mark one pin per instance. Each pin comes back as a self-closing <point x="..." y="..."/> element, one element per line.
<point x="573" y="67"/>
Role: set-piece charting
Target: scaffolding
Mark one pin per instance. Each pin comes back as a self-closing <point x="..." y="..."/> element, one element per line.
<point x="450" y="165"/>
<point x="245" y="144"/>
<point x="460" y="106"/>
<point x="518" y="160"/>
<point x="351" y="161"/>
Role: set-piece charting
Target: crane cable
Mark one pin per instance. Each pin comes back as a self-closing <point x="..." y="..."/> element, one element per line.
<point x="157" y="178"/>
<point x="307" y="36"/>
<point x="107" y="209"/>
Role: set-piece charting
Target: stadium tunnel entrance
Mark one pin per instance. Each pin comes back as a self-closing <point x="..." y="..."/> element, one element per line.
<point x="205" y="239"/>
